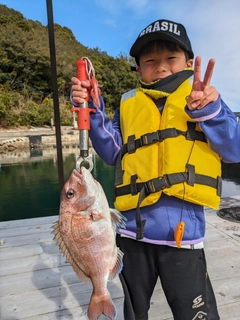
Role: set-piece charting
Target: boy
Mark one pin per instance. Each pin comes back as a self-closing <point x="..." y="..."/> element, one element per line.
<point x="166" y="141"/>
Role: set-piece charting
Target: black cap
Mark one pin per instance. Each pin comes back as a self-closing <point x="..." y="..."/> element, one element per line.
<point x="162" y="30"/>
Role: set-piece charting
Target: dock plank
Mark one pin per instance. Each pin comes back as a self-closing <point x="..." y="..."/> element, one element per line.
<point x="37" y="283"/>
<point x="50" y="299"/>
<point x="27" y="222"/>
<point x="25" y="230"/>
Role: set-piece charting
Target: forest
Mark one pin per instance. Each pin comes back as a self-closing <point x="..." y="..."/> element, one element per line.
<point x="25" y="74"/>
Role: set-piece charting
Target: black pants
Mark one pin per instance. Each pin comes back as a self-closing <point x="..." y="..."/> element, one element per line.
<point x="183" y="276"/>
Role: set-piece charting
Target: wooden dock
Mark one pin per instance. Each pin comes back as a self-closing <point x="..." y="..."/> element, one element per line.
<point x="37" y="283"/>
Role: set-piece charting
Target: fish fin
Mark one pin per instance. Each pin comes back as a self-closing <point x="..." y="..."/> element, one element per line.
<point x="117" y="218"/>
<point x="96" y="216"/>
<point x="62" y="246"/>
<point x="101" y="305"/>
<point x="85" y="204"/>
<point x="118" y="265"/>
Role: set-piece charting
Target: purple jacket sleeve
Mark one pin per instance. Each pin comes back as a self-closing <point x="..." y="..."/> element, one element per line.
<point x="220" y="125"/>
<point x="105" y="135"/>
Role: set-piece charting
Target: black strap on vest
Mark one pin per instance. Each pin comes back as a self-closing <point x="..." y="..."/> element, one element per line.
<point x="160" y="183"/>
<point x="133" y="144"/>
<point x="167" y="181"/>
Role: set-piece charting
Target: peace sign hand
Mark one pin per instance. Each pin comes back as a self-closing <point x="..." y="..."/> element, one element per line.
<point x="202" y="93"/>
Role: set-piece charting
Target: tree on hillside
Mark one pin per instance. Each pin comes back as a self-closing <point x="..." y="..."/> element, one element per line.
<point x="25" y="67"/>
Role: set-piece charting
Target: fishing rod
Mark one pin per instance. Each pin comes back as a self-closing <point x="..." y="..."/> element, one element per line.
<point x="55" y="92"/>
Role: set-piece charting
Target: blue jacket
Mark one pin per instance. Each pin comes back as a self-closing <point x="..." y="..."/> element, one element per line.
<point x="223" y="133"/>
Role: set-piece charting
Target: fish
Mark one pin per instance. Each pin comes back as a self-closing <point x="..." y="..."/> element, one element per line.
<point x="85" y="233"/>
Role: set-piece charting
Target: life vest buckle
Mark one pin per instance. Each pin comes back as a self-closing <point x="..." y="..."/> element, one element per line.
<point x="149" y="138"/>
<point x="157" y="184"/>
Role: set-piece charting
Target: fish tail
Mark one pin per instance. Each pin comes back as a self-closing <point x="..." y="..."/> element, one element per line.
<point x="101" y="305"/>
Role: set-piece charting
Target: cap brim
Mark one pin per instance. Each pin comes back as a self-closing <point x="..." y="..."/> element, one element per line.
<point x="140" y="42"/>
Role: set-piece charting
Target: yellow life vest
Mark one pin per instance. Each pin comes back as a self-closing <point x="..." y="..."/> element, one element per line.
<point x="164" y="153"/>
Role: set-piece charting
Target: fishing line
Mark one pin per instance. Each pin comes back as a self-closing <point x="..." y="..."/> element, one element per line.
<point x="179" y="231"/>
<point x="184" y="187"/>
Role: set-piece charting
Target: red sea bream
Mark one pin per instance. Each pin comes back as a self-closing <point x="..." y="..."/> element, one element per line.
<point x="86" y="233"/>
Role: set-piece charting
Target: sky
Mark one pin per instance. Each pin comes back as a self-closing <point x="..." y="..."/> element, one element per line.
<point x="113" y="25"/>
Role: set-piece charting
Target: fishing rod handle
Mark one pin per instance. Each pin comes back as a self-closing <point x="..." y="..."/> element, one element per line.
<point x="82" y="72"/>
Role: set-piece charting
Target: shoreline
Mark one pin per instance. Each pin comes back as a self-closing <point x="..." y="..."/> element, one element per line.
<point x="18" y="140"/>
<point x="7" y="133"/>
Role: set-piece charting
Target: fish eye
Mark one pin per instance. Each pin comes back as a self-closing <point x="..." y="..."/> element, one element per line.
<point x="70" y="194"/>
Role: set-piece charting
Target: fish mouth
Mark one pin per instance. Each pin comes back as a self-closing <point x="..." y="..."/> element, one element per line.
<point x="78" y="174"/>
<point x="82" y="171"/>
<point x="82" y="174"/>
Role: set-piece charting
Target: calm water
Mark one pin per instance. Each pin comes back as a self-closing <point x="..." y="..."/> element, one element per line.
<point x="29" y="182"/>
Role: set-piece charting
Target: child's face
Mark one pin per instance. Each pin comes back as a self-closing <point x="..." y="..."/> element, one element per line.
<point x="160" y="64"/>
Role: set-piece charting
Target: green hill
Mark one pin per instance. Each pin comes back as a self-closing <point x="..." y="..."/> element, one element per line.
<point x="25" y="77"/>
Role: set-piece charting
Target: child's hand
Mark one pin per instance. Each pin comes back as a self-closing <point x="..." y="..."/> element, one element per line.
<point x="202" y="93"/>
<point x="79" y="90"/>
